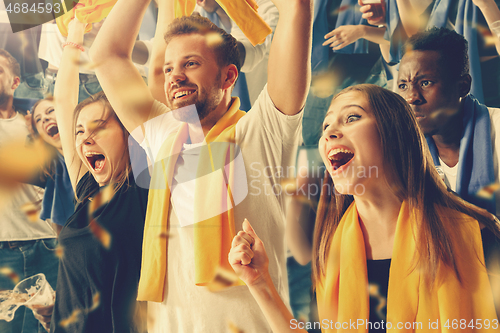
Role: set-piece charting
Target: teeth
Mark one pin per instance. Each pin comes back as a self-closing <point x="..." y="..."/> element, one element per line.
<point x="182" y="93"/>
<point x="91" y="153"/>
<point x="335" y="151"/>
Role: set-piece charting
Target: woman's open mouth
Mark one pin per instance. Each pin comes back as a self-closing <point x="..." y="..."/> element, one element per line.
<point x="339" y="157"/>
<point x="96" y="160"/>
<point x="52" y="130"/>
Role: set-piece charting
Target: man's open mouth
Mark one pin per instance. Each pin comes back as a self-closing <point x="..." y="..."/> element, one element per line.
<point x="52" y="130"/>
<point x="183" y="93"/>
<point x="339" y="157"/>
<point x="96" y="160"/>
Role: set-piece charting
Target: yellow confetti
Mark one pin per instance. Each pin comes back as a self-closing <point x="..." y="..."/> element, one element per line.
<point x="96" y="301"/>
<point x="101" y="198"/>
<point x="32" y="211"/>
<point x="59" y="251"/>
<point x="223" y="278"/>
<point x="289" y="185"/>
<point x="20" y="162"/>
<point x="343" y="9"/>
<point x="101" y="234"/>
<point x="373" y="290"/>
<point x="165" y="235"/>
<point x="8" y="272"/>
<point x="213" y="39"/>
<point x="488" y="191"/>
<point x="73" y="318"/>
<point x="323" y="85"/>
<point x="489" y="39"/>
<point x="233" y="328"/>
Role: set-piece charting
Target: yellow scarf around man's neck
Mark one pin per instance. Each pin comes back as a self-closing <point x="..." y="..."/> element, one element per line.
<point x="242" y="12"/>
<point x="212" y="236"/>
<point x="343" y="295"/>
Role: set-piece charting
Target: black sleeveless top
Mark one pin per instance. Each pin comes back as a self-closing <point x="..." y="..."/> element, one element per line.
<point x="97" y="286"/>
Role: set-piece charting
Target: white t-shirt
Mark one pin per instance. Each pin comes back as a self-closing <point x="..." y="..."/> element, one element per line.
<point x="450" y="174"/>
<point x="14" y="223"/>
<point x="268" y="141"/>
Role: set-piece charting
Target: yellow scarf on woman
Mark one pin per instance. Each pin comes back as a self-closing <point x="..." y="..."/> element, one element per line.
<point x="242" y="12"/>
<point x="343" y="296"/>
<point x="212" y="236"/>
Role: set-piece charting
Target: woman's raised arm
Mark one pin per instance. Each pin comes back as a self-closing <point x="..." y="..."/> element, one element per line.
<point x="66" y="99"/>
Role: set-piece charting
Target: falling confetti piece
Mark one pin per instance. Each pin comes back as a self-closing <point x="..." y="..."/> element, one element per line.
<point x="408" y="49"/>
<point x="490" y="41"/>
<point x="20" y="162"/>
<point x="32" y="211"/>
<point x="213" y="39"/>
<point x="342" y="9"/>
<point x="8" y="272"/>
<point x="71" y="319"/>
<point x="323" y="85"/>
<point x="289" y="185"/>
<point x="488" y="191"/>
<point x="373" y="290"/>
<point x="233" y="328"/>
<point x="59" y="251"/>
<point x="101" y="234"/>
<point x="165" y="235"/>
<point x="101" y="198"/>
<point x="223" y="278"/>
<point x="96" y="301"/>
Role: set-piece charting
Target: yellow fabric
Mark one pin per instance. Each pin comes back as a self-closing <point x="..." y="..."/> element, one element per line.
<point x="343" y="294"/>
<point x="87" y="11"/>
<point x="244" y="14"/>
<point x="212" y="236"/>
<point x="184" y="7"/>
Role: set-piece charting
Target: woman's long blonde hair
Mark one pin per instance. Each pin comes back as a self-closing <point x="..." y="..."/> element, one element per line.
<point x="416" y="180"/>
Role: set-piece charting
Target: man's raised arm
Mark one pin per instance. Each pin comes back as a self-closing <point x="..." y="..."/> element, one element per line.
<point x="289" y="69"/>
<point x="112" y="54"/>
